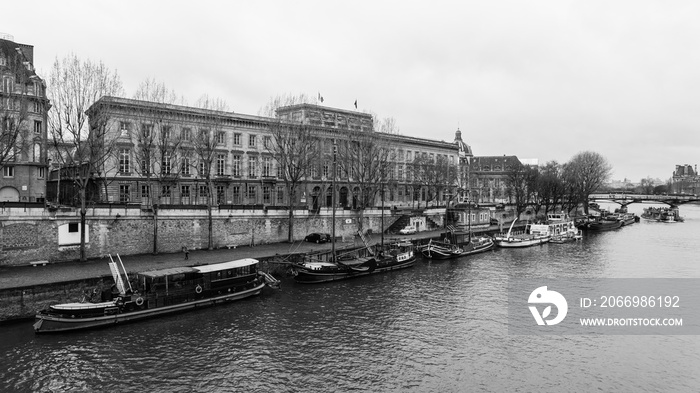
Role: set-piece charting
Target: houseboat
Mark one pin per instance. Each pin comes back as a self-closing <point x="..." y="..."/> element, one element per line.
<point x="353" y="263"/>
<point x="156" y="292"/>
<point x="662" y="214"/>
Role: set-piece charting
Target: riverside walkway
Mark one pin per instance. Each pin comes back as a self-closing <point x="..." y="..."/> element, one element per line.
<point x="27" y="276"/>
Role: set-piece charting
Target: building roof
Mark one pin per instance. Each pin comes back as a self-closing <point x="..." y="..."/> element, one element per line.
<point x="464" y="149"/>
<point x="226" y="265"/>
<point x="491" y="162"/>
<point x="22" y="53"/>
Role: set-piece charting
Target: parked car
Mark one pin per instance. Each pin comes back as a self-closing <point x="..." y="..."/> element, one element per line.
<point x="318" y="238"/>
<point x="408" y="230"/>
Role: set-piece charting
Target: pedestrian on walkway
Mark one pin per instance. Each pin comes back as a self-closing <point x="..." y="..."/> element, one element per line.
<point x="187" y="252"/>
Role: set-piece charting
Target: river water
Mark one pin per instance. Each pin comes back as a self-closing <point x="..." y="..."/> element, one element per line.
<point x="437" y="327"/>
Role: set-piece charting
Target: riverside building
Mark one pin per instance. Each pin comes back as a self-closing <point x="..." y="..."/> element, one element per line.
<point x="155" y="160"/>
<point x="23" y="111"/>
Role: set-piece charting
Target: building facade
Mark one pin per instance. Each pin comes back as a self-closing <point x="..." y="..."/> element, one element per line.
<point x="685" y="180"/>
<point x="487" y="178"/>
<point x="153" y="160"/>
<point x="23" y="125"/>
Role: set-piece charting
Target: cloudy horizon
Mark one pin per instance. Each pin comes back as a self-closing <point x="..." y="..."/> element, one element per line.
<point x="540" y="80"/>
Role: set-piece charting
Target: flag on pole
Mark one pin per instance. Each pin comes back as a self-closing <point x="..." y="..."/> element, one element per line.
<point x="320" y="97"/>
<point x="355" y="104"/>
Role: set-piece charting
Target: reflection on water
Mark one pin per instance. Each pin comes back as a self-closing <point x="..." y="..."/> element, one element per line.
<point x="440" y="326"/>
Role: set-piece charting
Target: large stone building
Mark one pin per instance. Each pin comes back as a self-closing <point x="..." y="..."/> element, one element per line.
<point x="23" y="124"/>
<point x="487" y="177"/>
<point x="685" y="180"/>
<point x="244" y="170"/>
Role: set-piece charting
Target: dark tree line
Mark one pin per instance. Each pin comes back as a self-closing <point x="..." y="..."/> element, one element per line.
<point x="555" y="185"/>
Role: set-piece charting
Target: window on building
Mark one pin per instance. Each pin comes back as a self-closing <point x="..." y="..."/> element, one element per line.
<point x="400" y="167"/>
<point x="280" y="172"/>
<point x="166" y="191"/>
<point x="220" y="194"/>
<point x="124" y="128"/>
<point x="37" y="153"/>
<point x="267" y="166"/>
<point x="8" y="85"/>
<point x="124" y="161"/>
<point x="221" y="164"/>
<point x="185" y="169"/>
<point x="314" y="171"/>
<point x="236" y="168"/>
<point x="400" y="155"/>
<point x="326" y="170"/>
<point x="203" y="169"/>
<point x="8" y="171"/>
<point x="267" y="142"/>
<point x="221" y="137"/>
<point x="165" y="132"/>
<point x="237" y="139"/>
<point x="280" y="194"/>
<point x="252" y="167"/>
<point x="165" y="164"/>
<point x="42" y="173"/>
<point x="123" y="193"/>
<point x="409" y="156"/>
<point x="236" y="194"/>
<point x="266" y="194"/>
<point x="251" y="141"/>
<point x="186" y="134"/>
<point x="37" y="107"/>
<point x="185" y="191"/>
<point x="203" y="190"/>
<point x="146" y="130"/>
<point x="145" y="191"/>
<point x="37" y="127"/>
<point x="251" y="194"/>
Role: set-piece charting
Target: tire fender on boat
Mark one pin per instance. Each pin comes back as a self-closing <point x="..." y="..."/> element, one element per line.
<point x="198" y="289"/>
<point x="139" y="301"/>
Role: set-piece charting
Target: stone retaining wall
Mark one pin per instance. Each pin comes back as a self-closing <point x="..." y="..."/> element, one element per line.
<point x="32" y="234"/>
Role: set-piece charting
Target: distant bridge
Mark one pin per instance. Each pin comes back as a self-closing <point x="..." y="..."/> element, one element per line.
<point x="627" y="199"/>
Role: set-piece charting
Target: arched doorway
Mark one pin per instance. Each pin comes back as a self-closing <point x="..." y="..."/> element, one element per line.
<point x="9" y="194"/>
<point x="344" y="196"/>
<point x="329" y="197"/>
<point x="355" y="197"/>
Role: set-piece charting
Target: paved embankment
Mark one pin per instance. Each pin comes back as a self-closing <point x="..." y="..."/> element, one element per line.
<point x="26" y="276"/>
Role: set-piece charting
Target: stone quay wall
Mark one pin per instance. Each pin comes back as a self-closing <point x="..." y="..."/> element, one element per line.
<point x="23" y="303"/>
<point x="35" y="234"/>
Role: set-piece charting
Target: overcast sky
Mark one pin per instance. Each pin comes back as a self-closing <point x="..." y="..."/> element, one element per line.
<point x="536" y="79"/>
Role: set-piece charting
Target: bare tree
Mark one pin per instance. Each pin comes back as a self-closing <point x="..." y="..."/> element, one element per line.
<point x="159" y="152"/>
<point x="550" y="186"/>
<point x="434" y="174"/>
<point x="81" y="146"/>
<point x="204" y="150"/>
<point x="295" y="148"/>
<point x="520" y="187"/>
<point x="585" y="173"/>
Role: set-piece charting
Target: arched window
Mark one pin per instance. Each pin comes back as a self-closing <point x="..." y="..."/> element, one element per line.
<point x="37" y="153"/>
